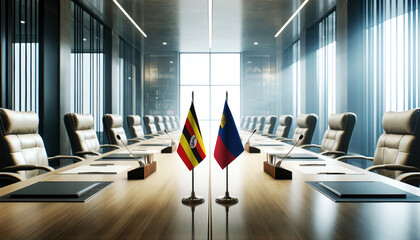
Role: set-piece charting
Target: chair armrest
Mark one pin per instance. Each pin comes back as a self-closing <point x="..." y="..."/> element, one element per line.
<point x="10" y="177"/>
<point x="59" y="157"/>
<point x="83" y="153"/>
<point x="310" y="145"/>
<point x="17" y="168"/>
<point x="394" y="167"/>
<point x="284" y="139"/>
<point x="343" y="158"/>
<point x="407" y="177"/>
<point x="110" y="146"/>
<point x="336" y="153"/>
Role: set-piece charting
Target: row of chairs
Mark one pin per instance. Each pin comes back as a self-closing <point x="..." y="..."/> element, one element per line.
<point x="306" y="124"/>
<point x="397" y="153"/>
<point x="156" y="124"/>
<point x="22" y="150"/>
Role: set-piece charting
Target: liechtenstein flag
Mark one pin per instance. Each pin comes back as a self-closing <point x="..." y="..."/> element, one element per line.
<point x="228" y="144"/>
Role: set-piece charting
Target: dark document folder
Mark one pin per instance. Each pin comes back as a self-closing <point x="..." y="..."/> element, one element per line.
<point x="358" y="189"/>
<point x="54" y="190"/>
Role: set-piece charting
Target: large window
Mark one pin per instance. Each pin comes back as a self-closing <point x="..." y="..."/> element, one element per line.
<point x="392" y="59"/>
<point x="87" y="66"/>
<point x="210" y="76"/>
<point x="325" y="70"/>
<point x="291" y="82"/>
<point x="129" y="71"/>
<point x="23" y="55"/>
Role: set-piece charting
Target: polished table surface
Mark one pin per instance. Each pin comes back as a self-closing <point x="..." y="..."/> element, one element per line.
<point x="152" y="208"/>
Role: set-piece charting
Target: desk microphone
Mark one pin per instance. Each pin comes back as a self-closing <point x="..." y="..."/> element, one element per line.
<point x="285" y="156"/>
<point x="251" y="135"/>
<point x="134" y="156"/>
<point x="166" y="131"/>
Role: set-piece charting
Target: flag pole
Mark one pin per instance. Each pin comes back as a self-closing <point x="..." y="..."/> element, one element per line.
<point x="227" y="200"/>
<point x="193" y="199"/>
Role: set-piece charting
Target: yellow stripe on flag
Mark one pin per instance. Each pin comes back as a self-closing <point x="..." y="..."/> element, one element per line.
<point x="196" y="132"/>
<point x="186" y="146"/>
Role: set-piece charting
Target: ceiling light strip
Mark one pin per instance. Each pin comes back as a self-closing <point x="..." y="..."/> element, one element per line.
<point x="210" y="22"/>
<point x="129" y="18"/>
<point x="291" y="18"/>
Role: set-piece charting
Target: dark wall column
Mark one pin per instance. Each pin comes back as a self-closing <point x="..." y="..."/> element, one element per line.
<point x="65" y="72"/>
<point x="49" y="104"/>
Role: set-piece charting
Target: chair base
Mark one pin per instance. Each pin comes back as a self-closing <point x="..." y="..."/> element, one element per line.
<point x="277" y="172"/>
<point x="142" y="172"/>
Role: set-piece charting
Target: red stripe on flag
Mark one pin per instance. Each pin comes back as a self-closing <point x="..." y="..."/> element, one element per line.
<point x="222" y="154"/>
<point x="184" y="157"/>
<point x="189" y="128"/>
<point x="200" y="150"/>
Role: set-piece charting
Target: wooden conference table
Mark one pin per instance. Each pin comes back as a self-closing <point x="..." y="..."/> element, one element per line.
<point x="152" y="208"/>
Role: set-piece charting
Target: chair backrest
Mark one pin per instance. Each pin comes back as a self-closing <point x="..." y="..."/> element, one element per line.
<point x="260" y="123"/>
<point x="159" y="123"/>
<point x="134" y="126"/>
<point x="20" y="142"/>
<point x="399" y="144"/>
<point x="306" y="124"/>
<point x="167" y="123"/>
<point x="253" y="123"/>
<point x="285" y="122"/>
<point x="113" y="126"/>
<point x="337" y="137"/>
<point x="270" y="123"/>
<point x="247" y="122"/>
<point x="149" y="124"/>
<point x="81" y="134"/>
<point x="177" y="123"/>
<point x="242" y="122"/>
<point x="173" y="122"/>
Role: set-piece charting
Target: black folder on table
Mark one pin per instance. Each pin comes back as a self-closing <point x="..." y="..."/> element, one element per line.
<point x="73" y="191"/>
<point x="367" y="189"/>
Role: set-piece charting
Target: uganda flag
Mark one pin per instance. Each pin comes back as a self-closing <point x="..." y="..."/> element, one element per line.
<point x="191" y="147"/>
<point x="228" y="144"/>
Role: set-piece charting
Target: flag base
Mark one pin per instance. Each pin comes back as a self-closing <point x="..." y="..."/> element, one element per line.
<point x="227" y="200"/>
<point x="193" y="200"/>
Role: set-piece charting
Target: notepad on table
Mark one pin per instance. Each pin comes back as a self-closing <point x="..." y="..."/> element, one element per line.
<point x="367" y="189"/>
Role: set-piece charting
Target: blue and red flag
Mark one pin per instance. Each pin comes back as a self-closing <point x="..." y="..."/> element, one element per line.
<point x="228" y="144"/>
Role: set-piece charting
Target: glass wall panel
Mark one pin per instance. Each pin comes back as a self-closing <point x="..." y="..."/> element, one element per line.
<point x="392" y="60"/>
<point x="161" y="85"/>
<point x="87" y="66"/>
<point x="222" y="73"/>
<point x="325" y="71"/>
<point x="258" y="87"/>
<point x="23" y="55"/>
<point x="129" y="71"/>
